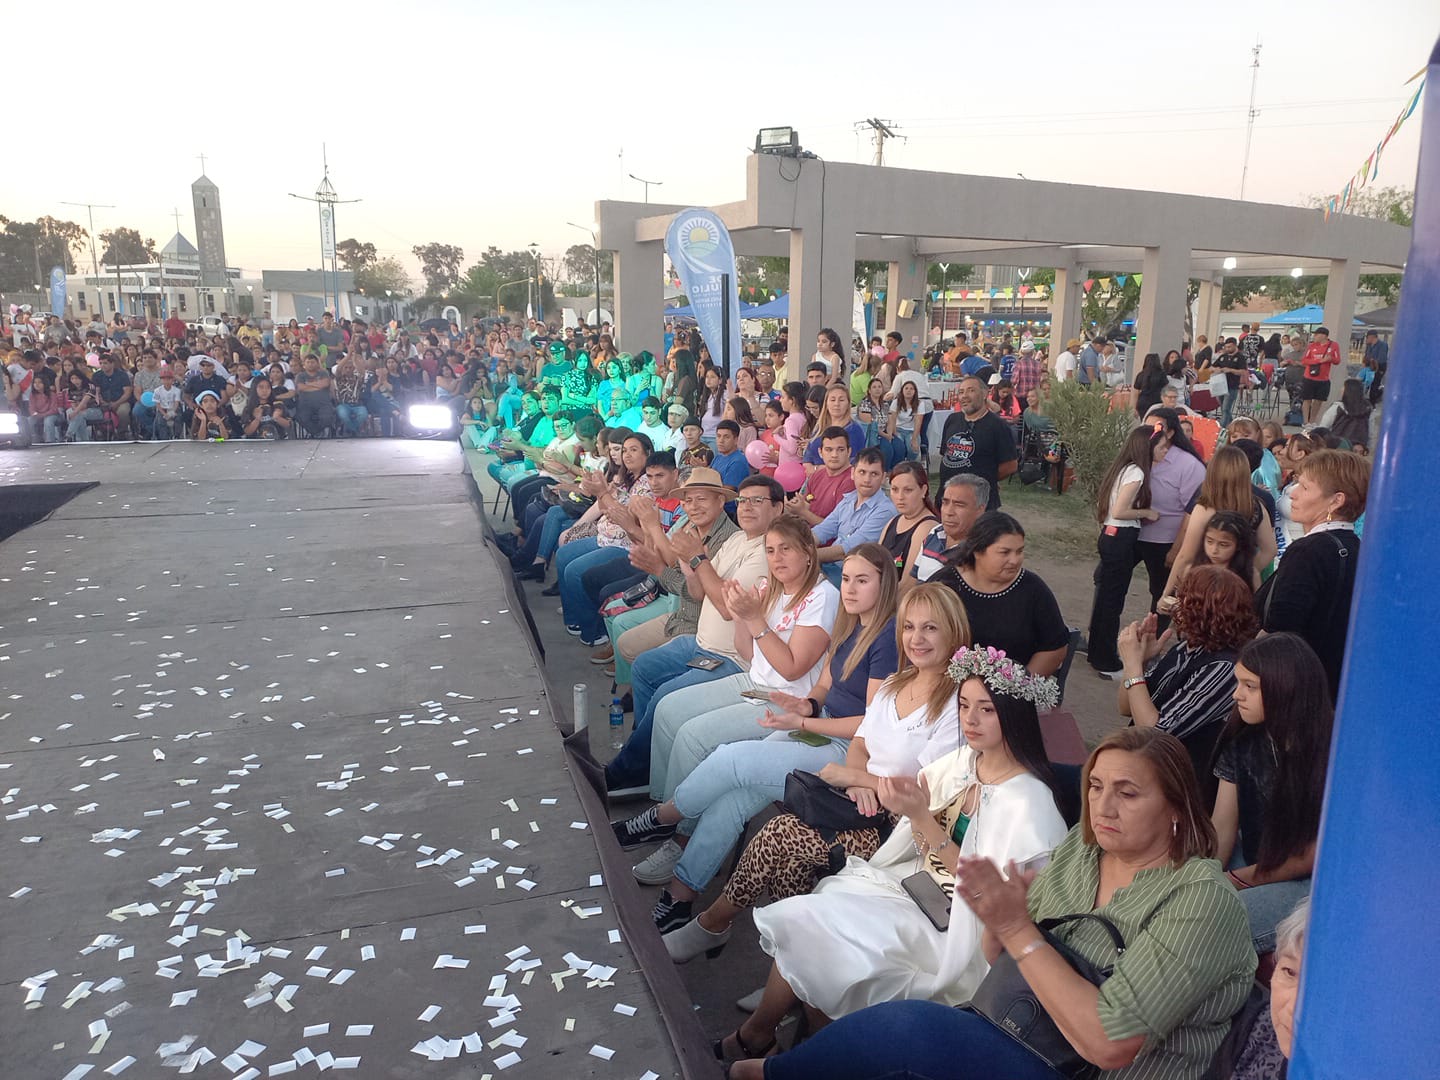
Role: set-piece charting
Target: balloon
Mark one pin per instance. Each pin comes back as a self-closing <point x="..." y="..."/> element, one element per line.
<point x="790" y="475"/>
<point x="758" y="453"/>
<point x="148" y="399"/>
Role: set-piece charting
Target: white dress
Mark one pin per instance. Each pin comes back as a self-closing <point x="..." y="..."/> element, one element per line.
<point x="859" y="939"/>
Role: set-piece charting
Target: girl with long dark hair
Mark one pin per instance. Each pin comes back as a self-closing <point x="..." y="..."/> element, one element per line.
<point x="712" y="406"/>
<point x="861" y="938"/>
<point x="1123" y="504"/>
<point x="1149" y="381"/>
<point x="1271" y="763"/>
<point x="1229" y="542"/>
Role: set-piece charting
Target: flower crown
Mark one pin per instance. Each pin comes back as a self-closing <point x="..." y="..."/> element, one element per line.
<point x="1003" y="676"/>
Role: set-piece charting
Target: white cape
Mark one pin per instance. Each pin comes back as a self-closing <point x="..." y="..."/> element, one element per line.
<point x="859" y="939"/>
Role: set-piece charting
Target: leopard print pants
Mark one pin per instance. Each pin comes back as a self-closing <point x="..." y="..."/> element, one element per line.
<point x="787" y="857"/>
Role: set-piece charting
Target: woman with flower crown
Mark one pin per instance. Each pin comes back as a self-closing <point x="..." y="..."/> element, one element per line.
<point x="862" y="937"/>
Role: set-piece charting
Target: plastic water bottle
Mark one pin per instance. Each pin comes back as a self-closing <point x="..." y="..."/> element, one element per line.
<point x="617" y="724"/>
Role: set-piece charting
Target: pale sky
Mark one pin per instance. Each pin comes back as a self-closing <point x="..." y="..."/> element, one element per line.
<point x="480" y="123"/>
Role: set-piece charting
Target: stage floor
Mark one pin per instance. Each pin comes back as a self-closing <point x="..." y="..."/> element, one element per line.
<point x="280" y="784"/>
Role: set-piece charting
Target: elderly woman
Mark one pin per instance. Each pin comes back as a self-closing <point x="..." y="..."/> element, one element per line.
<point x="1184" y="681"/>
<point x="1309" y="593"/>
<point x="1262" y="1036"/>
<point x="1009" y="608"/>
<point x="1143" y="858"/>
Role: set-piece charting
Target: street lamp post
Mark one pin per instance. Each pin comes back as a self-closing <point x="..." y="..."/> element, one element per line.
<point x="944" y="291"/>
<point x="539" y="284"/>
<point x="648" y="184"/>
<point x="595" y="251"/>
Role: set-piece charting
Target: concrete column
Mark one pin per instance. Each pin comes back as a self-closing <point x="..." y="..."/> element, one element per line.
<point x="1160" y="322"/>
<point x="1207" y="313"/>
<point x="906" y="281"/>
<point x="639" y="321"/>
<point x="1065" y="308"/>
<point x="1340" y="314"/>
<point x="822" y="265"/>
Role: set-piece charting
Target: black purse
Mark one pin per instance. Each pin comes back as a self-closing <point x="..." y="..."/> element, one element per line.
<point x="828" y="811"/>
<point x="1005" y="999"/>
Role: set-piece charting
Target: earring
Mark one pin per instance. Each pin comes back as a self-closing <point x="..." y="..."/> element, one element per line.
<point x="1174" y="827"/>
<point x="1329" y="516"/>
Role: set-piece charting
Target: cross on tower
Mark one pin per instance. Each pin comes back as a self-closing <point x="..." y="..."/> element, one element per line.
<point x="202" y="164"/>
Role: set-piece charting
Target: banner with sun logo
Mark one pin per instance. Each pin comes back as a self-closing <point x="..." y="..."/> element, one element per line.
<point x="700" y="250"/>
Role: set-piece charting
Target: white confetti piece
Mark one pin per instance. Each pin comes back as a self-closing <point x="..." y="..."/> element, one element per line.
<point x="429" y="1013"/>
<point x="604" y="1053"/>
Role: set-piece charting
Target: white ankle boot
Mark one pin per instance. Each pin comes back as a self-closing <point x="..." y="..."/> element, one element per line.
<point x="692" y="939"/>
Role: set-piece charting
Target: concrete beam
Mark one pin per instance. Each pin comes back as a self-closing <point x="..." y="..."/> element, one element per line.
<point x="906" y="281"/>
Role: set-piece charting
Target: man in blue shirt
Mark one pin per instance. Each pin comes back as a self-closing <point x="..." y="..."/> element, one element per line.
<point x="1087" y="367"/>
<point x="859" y="518"/>
<point x="729" y="460"/>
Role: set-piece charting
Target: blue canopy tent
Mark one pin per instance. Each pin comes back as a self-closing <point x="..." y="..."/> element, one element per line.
<point x="1309" y="315"/>
<point x="779" y="308"/>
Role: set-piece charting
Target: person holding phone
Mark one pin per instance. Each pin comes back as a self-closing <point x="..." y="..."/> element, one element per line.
<point x="714" y="803"/>
<point x="862" y="937"/>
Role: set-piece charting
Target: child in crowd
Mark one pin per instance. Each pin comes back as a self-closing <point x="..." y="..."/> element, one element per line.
<point x="168" y="400"/>
<point x="1230" y="542"/>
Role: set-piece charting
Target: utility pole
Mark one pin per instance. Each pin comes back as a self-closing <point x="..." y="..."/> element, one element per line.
<point x="883" y="129"/>
<point x="94" y="258"/>
<point x="326" y="199"/>
<point x="1251" y="113"/>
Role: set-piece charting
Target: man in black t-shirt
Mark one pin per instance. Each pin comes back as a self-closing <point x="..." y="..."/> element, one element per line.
<point x="977" y="441"/>
<point x="1232" y="364"/>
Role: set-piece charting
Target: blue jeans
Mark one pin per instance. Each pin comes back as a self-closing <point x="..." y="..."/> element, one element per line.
<point x="909" y="1040"/>
<point x="580" y="610"/>
<point x="730" y="787"/>
<point x="80" y="424"/>
<point x="386" y="410"/>
<point x="48" y="429"/>
<point x="653" y="675"/>
<point x="1227" y="408"/>
<point x="352" y="417"/>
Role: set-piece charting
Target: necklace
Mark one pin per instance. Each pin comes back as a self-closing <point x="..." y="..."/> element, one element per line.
<point x="1014" y="771"/>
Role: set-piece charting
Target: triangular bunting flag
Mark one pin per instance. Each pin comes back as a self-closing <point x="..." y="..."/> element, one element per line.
<point x="1105" y="284"/>
<point x="1089" y="284"/>
<point x="935" y="295"/>
<point x="1121" y="278"/>
<point x="1139" y="279"/>
<point x="1024" y="290"/>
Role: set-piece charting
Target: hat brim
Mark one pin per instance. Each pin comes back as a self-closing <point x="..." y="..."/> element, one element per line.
<point x="730" y="493"/>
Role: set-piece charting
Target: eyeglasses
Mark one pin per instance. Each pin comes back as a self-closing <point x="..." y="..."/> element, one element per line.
<point x="754" y="500"/>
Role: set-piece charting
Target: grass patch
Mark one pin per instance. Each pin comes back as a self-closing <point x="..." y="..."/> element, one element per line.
<point x="1056" y="526"/>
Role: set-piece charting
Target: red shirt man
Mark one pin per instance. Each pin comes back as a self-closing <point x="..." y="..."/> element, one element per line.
<point x="1320" y="356"/>
<point x="175" y="328"/>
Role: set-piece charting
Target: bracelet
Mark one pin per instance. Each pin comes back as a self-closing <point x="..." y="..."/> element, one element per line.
<point x="762" y="633"/>
<point x="1237" y="880"/>
<point x="1138" y="680"/>
<point x="814" y="706"/>
<point x="1037" y="944"/>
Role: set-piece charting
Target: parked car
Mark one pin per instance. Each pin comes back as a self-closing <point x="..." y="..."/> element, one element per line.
<point x="210" y="325"/>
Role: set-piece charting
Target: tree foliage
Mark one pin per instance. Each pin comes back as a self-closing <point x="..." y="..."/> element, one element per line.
<point x="440" y="263"/>
<point x="955" y="274"/>
<point x="1091" y="430"/>
<point x="1393" y="204"/>
<point x="511" y="274"/>
<point x="382" y="275"/>
<point x="354" y="255"/>
<point x="28" y="249"/>
<point x="579" y="264"/>
<point x="126" y="247"/>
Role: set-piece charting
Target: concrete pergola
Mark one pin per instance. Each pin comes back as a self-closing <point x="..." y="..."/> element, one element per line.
<point x="794" y="207"/>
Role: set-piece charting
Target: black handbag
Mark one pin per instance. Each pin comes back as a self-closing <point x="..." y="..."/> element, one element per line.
<point x="828" y="811"/>
<point x="1005" y="999"/>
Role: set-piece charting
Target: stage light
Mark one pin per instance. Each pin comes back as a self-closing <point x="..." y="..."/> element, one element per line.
<point x="431" y="417"/>
<point x="9" y="424"/>
<point x="778" y="140"/>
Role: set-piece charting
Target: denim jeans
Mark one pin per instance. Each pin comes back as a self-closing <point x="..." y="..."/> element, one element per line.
<point x="352" y="417"/>
<point x="80" y="424"/>
<point x="386" y="410"/>
<point x="730" y="787"/>
<point x="655" y="674"/>
<point x="580" y="610"/>
<point x="693" y="722"/>
<point x="909" y="1040"/>
<point x="48" y="429"/>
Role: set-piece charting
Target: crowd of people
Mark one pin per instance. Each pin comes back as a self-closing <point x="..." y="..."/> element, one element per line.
<point x="790" y="617"/>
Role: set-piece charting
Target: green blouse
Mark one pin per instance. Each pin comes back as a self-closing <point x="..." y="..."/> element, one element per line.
<point x="1188" y="962"/>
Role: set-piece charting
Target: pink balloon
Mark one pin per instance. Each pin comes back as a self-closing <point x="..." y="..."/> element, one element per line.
<point x="790" y="475"/>
<point x="758" y="454"/>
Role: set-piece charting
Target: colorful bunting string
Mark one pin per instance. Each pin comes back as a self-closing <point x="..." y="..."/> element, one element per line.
<point x="1370" y="168"/>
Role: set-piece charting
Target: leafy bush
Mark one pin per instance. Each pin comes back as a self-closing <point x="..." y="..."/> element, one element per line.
<point x="1092" y="428"/>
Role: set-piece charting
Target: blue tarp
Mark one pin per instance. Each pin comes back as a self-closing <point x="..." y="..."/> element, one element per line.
<point x="1309" y="315"/>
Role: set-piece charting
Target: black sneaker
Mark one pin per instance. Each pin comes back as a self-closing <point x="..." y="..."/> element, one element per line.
<point x="643" y="828"/>
<point x="669" y="913"/>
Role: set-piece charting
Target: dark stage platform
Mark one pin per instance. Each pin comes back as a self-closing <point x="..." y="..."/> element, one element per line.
<point x="281" y="785"/>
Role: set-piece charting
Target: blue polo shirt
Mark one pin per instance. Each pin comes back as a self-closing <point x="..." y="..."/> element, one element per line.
<point x="732" y="467"/>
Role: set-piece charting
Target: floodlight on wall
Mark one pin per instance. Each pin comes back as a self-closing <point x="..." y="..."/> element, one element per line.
<point x="1230" y="262"/>
<point x="1297" y="272"/>
<point x="778" y="140"/>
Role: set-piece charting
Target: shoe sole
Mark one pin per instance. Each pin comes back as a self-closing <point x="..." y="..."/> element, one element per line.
<point x="598" y="660"/>
<point x="652" y="877"/>
<point x="639" y="791"/>
<point x="631" y="842"/>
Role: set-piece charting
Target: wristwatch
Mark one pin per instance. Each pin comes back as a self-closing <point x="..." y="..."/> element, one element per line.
<point x="1136" y="681"/>
<point x="697" y="560"/>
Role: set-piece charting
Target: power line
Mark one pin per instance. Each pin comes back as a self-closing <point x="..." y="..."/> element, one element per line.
<point x="1251" y="114"/>
<point x="883" y="129"/>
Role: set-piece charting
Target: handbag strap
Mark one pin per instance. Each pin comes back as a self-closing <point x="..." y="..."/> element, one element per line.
<point x="1047" y="925"/>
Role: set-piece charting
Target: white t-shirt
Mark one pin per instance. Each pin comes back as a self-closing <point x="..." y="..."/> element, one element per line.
<point x="817" y="609"/>
<point x="1065" y="365"/>
<point x="900" y="745"/>
<point x="1131" y="474"/>
<point x="741" y="559"/>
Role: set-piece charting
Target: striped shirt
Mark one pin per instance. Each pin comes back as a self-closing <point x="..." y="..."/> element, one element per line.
<point x="1188" y="961"/>
<point x="1192" y="689"/>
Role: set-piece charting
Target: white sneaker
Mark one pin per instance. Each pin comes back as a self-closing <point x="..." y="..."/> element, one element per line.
<point x="659" y="866"/>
